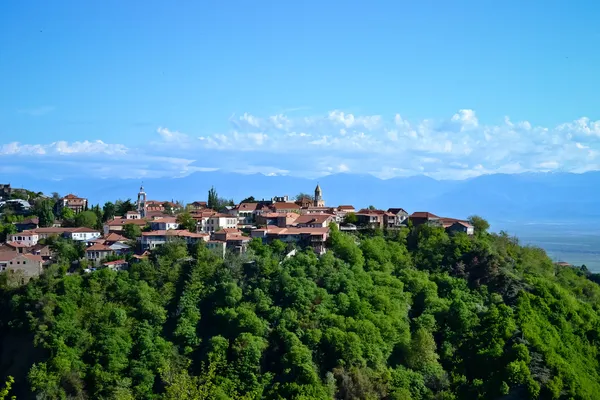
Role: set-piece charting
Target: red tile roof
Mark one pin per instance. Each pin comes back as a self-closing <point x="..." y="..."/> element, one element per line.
<point x="116" y="262"/>
<point x="313" y="219"/>
<point x="285" y="206"/>
<point x="115" y="237"/>
<point x="247" y="206"/>
<point x="98" y="247"/>
<point x="8" y="255"/>
<point x="176" y="233"/>
<point x="423" y="214"/>
<point x="16" y="245"/>
<point x="33" y="257"/>
<point x="120" y="221"/>
<point x="346" y="208"/>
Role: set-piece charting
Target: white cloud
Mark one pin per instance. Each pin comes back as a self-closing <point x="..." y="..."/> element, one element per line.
<point x="171" y="136"/>
<point x="62" y="147"/>
<point x="457" y="147"/>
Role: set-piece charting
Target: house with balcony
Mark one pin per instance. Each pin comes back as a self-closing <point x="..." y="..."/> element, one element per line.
<point x="285" y="207"/>
<point x="153" y="239"/>
<point x="245" y="212"/>
<point x="98" y="252"/>
<point x="423" y="217"/>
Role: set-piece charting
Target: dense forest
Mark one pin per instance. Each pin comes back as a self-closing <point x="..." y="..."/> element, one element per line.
<point x="411" y="314"/>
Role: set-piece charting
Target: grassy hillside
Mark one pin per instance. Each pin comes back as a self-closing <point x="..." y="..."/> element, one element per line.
<point x="404" y="315"/>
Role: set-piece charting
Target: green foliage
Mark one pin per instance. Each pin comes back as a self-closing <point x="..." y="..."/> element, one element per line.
<point x="480" y="225"/>
<point x="213" y="198"/>
<point x="109" y="210"/>
<point x="409" y="314"/>
<point x="45" y="213"/>
<point x="6" y="390"/>
<point x="132" y="231"/>
<point x="186" y="221"/>
<point x="67" y="215"/>
<point x="351" y="218"/>
<point x="88" y="219"/>
<point x="122" y="207"/>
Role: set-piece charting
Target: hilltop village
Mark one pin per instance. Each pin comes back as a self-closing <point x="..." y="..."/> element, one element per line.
<point x="117" y="234"/>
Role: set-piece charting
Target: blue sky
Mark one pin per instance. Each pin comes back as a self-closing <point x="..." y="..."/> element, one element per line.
<point x="447" y="89"/>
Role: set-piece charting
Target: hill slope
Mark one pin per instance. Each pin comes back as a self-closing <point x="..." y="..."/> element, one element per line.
<point x="409" y="315"/>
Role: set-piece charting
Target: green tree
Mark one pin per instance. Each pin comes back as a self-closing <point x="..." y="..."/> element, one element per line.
<point x="351" y="218"/>
<point x="87" y="219"/>
<point x="250" y="199"/>
<point x="213" y="198"/>
<point x="45" y="214"/>
<point x="304" y="197"/>
<point x="480" y="225"/>
<point x="109" y="211"/>
<point x="123" y="207"/>
<point x="67" y="215"/>
<point x="186" y="221"/>
<point x="7" y="387"/>
<point x="132" y="231"/>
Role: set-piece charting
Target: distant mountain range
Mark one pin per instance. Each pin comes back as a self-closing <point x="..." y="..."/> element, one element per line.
<point x="518" y="198"/>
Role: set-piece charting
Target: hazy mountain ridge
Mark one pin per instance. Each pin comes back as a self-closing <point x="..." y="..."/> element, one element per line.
<point x="501" y="197"/>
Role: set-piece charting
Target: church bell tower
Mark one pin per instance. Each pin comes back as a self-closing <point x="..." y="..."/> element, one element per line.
<point x="319" y="202"/>
<point x="141" y="202"/>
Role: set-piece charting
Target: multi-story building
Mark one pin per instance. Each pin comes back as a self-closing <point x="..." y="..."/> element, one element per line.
<point x="164" y="224"/>
<point x="26" y="238"/>
<point x="314" y="220"/>
<point x="216" y="222"/>
<point x="245" y="212"/>
<point x="76" y="204"/>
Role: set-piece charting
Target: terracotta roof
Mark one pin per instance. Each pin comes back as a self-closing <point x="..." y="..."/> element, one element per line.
<point x="115" y="237"/>
<point x="33" y="257"/>
<point x="165" y="220"/>
<point x="247" y="206"/>
<point x="120" y="221"/>
<point x="396" y="210"/>
<point x="8" y="255"/>
<point x="346" y="208"/>
<point x="25" y="233"/>
<point x="98" y="247"/>
<point x="132" y="212"/>
<point x="271" y="215"/>
<point x="116" y="262"/>
<point x="176" y="233"/>
<point x="313" y="218"/>
<point x="16" y="244"/>
<point x="294" y="231"/>
<point x="72" y="197"/>
<point x="366" y="211"/>
<point x="53" y="230"/>
<point x="83" y="229"/>
<point x="200" y="203"/>
<point x="231" y="231"/>
<point x="285" y="206"/>
<point x="423" y="214"/>
<point x="221" y="215"/>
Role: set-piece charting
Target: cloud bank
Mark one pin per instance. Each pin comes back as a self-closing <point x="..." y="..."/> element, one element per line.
<point x="456" y="147"/>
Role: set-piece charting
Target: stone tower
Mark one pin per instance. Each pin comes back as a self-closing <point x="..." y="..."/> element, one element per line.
<point x="141" y="202"/>
<point x="319" y="202"/>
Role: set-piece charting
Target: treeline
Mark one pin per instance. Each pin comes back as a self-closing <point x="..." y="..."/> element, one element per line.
<point x="388" y="315"/>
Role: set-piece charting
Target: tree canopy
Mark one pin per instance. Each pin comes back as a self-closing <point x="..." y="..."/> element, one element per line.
<point x="404" y="314"/>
